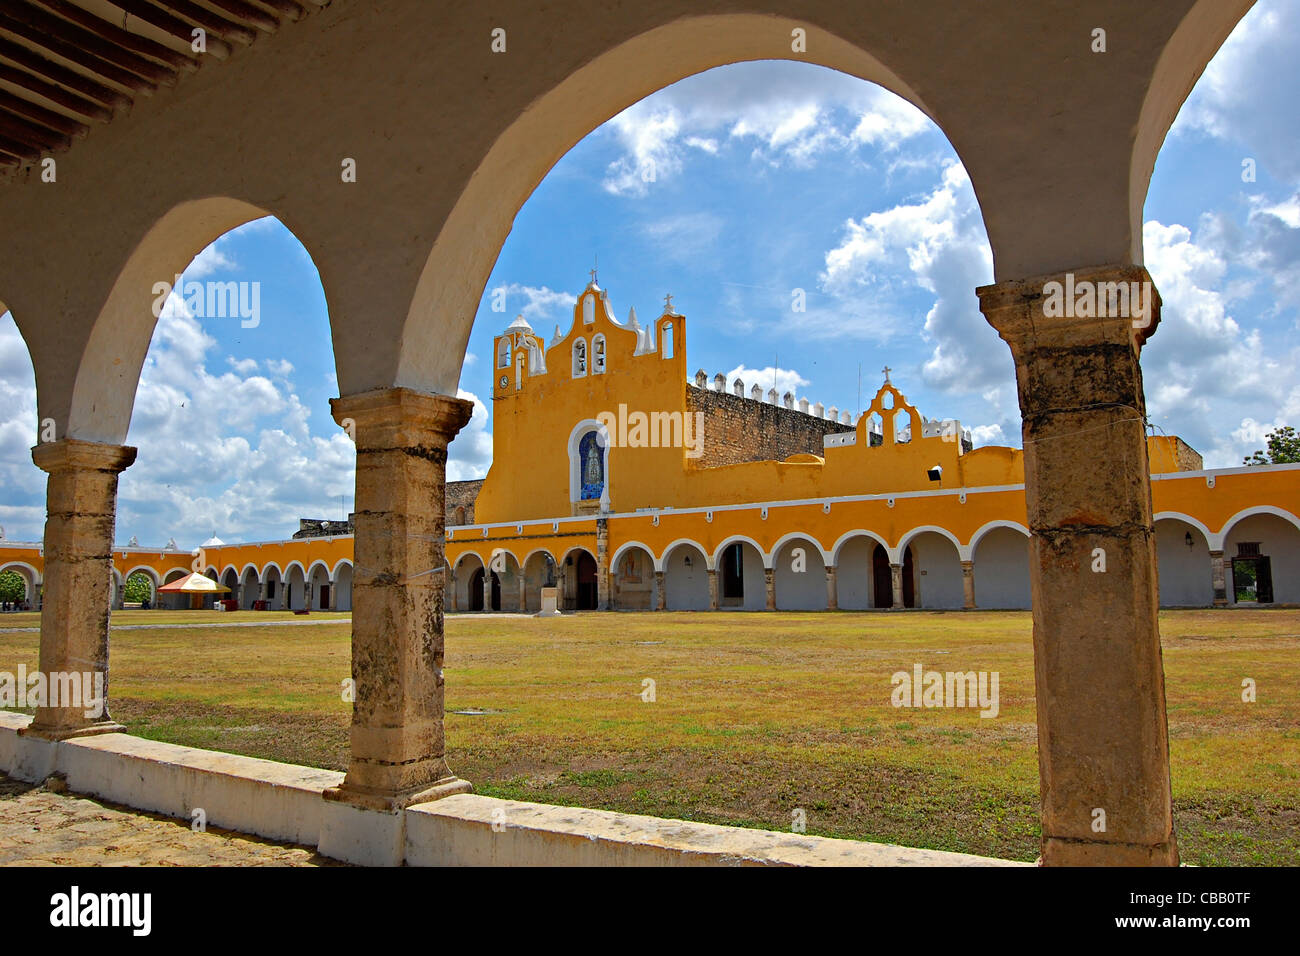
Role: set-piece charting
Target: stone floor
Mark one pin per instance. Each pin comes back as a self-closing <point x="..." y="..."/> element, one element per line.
<point x="40" y="827"/>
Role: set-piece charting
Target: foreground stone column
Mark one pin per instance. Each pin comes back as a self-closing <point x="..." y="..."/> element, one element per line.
<point x="896" y="579"/>
<point x="968" y="585"/>
<point x="1103" y="750"/>
<point x="1219" y="578"/>
<point x="397" y="745"/>
<point x="81" y="509"/>
<point x="661" y="595"/>
<point x="769" y="587"/>
<point x="832" y="590"/>
<point x="713" y="589"/>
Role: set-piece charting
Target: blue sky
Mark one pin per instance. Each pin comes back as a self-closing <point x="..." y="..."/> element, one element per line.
<point x="767" y="177"/>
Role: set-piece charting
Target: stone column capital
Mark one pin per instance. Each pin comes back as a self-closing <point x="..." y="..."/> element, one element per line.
<point x="400" y="417"/>
<point x="1094" y="305"/>
<point x="73" y="454"/>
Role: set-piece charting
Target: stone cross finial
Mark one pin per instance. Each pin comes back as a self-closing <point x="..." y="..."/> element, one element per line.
<point x="593" y="276"/>
<point x="886" y="370"/>
<point x="668" y="304"/>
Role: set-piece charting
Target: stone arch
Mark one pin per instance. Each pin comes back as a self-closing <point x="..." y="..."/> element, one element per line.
<point x="107" y="377"/>
<point x="1184" y="573"/>
<point x="250" y="587"/>
<point x="319" y="595"/>
<point x="804" y="536"/>
<point x="963" y="552"/>
<point x="848" y="536"/>
<point x="800" y="585"/>
<point x="539" y="572"/>
<point x="1000" y="557"/>
<point x="295" y="586"/>
<point x="462" y="256"/>
<point x="732" y="539"/>
<point x="992" y="525"/>
<point x="31" y="578"/>
<point x="151" y="574"/>
<point x="273" y="584"/>
<point x="1262" y="533"/>
<point x="685" y="565"/>
<point x="632" y="578"/>
<point x="936" y="567"/>
<point x="577" y="573"/>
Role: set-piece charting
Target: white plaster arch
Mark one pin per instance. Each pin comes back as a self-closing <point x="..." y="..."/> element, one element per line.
<point x="467" y="246"/>
<point x="33" y="576"/>
<point x="1215" y="541"/>
<point x="963" y="552"/>
<point x="261" y="575"/>
<point x="536" y="551"/>
<point x="848" y="536"/>
<point x="574" y="550"/>
<point x="311" y="569"/>
<point x="230" y="567"/>
<point x="690" y="542"/>
<point x="334" y="573"/>
<point x="468" y="554"/>
<point x="986" y="528"/>
<point x="802" y="536"/>
<point x="295" y="563"/>
<point x="250" y="564"/>
<point x="1247" y="513"/>
<point x="613" y="561"/>
<point x="732" y="539"/>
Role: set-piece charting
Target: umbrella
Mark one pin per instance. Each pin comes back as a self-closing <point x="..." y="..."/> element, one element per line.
<point x="194" y="584"/>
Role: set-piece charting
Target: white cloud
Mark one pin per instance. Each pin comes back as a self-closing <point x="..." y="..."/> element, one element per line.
<point x="470" y="453"/>
<point x="782" y="379"/>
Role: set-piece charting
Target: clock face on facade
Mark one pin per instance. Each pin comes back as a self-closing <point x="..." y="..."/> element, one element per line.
<point x="505" y="380"/>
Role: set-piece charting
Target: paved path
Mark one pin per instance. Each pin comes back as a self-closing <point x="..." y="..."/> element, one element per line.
<point x="41" y="828"/>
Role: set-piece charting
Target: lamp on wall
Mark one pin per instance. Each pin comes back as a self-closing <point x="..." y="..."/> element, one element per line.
<point x="688" y="561"/>
<point x="934" y="473"/>
<point x="1187" y="540"/>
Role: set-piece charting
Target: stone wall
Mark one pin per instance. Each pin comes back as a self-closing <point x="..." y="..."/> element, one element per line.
<point x="742" y="429"/>
<point x="462" y="494"/>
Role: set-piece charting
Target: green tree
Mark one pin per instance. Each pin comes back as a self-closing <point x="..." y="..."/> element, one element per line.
<point x="12" y="586"/>
<point x="1283" y="448"/>
<point x="138" y="588"/>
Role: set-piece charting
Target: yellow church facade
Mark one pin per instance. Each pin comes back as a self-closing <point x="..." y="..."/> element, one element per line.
<point x="627" y="487"/>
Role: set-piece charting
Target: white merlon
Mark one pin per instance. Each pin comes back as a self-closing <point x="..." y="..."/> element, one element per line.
<point x="819" y="410"/>
<point x="833" y="413"/>
<point x="756" y="393"/>
<point x="787" y="400"/>
<point x="803" y="405"/>
<point x="771" y="396"/>
<point x="719" y="382"/>
<point x="701" y="379"/>
<point x="738" y="388"/>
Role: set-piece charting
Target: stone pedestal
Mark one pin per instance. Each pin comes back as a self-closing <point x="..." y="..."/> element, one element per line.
<point x="550" y="603"/>
<point x="968" y="585"/>
<point x="896" y="583"/>
<point x="832" y="591"/>
<point x="1102" y="735"/>
<point x="1219" y="579"/>
<point x="81" y="506"/>
<point x="661" y="595"/>
<point x="769" y="588"/>
<point x="397" y="745"/>
<point x="713" y="589"/>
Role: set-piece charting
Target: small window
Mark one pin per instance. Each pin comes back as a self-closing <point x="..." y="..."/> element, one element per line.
<point x="598" y="355"/>
<point x="666" y="340"/>
<point x="503" y="354"/>
<point x="519" y="372"/>
<point x="588" y="309"/>
<point x="1248" y="549"/>
<point x="579" y="358"/>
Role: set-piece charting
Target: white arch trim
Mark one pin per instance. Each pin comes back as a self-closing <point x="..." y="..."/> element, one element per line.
<point x="848" y="536"/>
<point x="717" y="555"/>
<point x="318" y="563"/>
<point x="295" y="563"/>
<point x="250" y="567"/>
<point x="613" y="562"/>
<point x="663" y="558"/>
<point x="468" y="554"/>
<point x="1210" y="537"/>
<point x="35" y="576"/>
<point x="230" y="567"/>
<point x="536" y="551"/>
<point x="342" y="561"/>
<point x="985" y="529"/>
<point x="574" y="550"/>
<point x="1249" y="513"/>
<point x="267" y="567"/>
<point x="963" y="552"/>
<point x="801" y="536"/>
<point x="575" y="437"/>
<point x="153" y="575"/>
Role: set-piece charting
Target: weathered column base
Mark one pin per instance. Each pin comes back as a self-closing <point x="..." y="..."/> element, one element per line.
<point x="55" y="733"/>
<point x="769" y="588"/>
<point x="713" y="589"/>
<point x="968" y="585"/>
<point x="832" y="590"/>
<point x="896" y="582"/>
<point x="1062" y="851"/>
<point x="385" y="801"/>
<point x="661" y="596"/>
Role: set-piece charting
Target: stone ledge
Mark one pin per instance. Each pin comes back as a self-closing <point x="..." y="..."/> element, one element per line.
<point x="284" y="802"/>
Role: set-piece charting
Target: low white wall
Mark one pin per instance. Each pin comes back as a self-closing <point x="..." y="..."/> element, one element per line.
<point x="283" y="802"/>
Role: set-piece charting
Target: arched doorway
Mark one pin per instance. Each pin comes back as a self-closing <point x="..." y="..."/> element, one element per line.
<point x="740" y="575"/>
<point x="585" y="594"/>
<point x="937" y="578"/>
<point x="686" y="580"/>
<point x="882" y="577"/>
<point x="1261" y="553"/>
<point x="632" y="585"/>
<point x="1183" y="564"/>
<point x="1001" y="561"/>
<point x="799" y="576"/>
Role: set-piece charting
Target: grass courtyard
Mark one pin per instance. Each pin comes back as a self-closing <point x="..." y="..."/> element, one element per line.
<point x="754" y="715"/>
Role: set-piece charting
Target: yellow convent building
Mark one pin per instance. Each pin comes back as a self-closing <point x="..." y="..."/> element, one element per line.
<point x="627" y="487"/>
